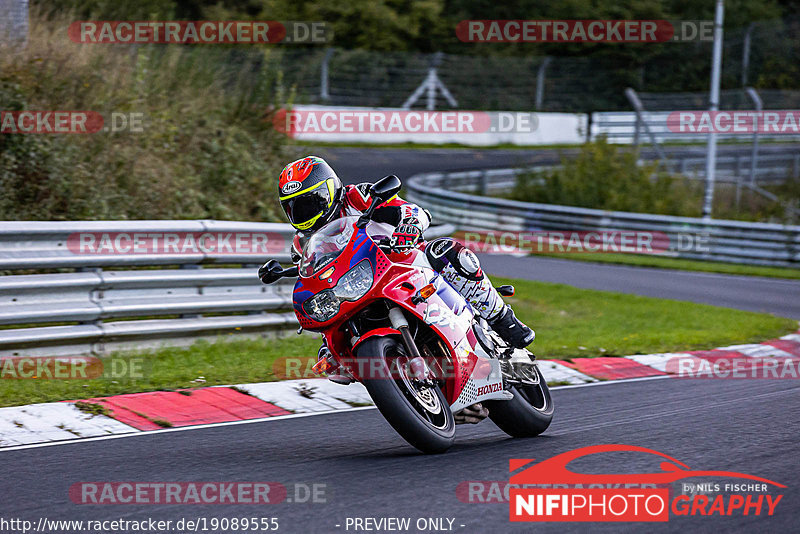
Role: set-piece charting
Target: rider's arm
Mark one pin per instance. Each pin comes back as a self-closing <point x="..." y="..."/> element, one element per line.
<point x="394" y="211"/>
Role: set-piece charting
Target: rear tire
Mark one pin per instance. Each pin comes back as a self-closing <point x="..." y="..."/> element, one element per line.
<point x="423" y="419"/>
<point x="528" y="414"/>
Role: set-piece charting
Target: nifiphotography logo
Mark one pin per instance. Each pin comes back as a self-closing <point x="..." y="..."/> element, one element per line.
<point x="549" y="491"/>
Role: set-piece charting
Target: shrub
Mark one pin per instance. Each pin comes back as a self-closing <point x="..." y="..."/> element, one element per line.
<point x="603" y="177"/>
<point x="207" y="149"/>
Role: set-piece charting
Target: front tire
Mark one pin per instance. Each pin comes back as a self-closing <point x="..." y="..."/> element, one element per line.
<point x="421" y="416"/>
<point x="528" y="414"/>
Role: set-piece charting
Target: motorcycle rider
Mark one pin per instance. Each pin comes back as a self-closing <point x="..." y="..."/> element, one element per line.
<point x="312" y="195"/>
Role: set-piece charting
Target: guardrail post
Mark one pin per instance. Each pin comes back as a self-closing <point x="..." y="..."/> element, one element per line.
<point x="200" y="291"/>
<point x="483" y="183"/>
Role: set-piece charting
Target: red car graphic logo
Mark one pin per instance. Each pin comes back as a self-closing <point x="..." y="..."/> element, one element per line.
<point x="554" y="470"/>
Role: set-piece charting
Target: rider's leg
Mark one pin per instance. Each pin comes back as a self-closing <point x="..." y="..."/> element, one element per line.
<point x="461" y="268"/>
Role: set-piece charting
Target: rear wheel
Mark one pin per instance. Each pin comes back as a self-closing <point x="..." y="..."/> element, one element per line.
<point x="420" y="414"/>
<point x="529" y="413"/>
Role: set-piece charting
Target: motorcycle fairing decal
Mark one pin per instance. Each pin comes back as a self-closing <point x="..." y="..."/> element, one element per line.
<point x="484" y="381"/>
<point x="299" y="296"/>
<point x="451" y="297"/>
<point x="441" y="316"/>
<point x="362" y="247"/>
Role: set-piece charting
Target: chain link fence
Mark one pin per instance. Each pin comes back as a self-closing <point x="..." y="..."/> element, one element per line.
<point x="763" y="54"/>
<point x="671" y="76"/>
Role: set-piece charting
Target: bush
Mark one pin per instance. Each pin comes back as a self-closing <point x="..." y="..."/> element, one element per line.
<point x="207" y="150"/>
<point x="603" y="177"/>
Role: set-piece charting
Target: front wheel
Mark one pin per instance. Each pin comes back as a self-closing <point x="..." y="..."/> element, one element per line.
<point x="528" y="414"/>
<point x="421" y="415"/>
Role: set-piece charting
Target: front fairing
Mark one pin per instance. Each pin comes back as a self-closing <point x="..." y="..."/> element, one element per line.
<point x="359" y="248"/>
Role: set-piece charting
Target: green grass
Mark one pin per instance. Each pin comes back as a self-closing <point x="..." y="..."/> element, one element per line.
<point x="573" y="322"/>
<point x="662" y="262"/>
<point x="570" y="323"/>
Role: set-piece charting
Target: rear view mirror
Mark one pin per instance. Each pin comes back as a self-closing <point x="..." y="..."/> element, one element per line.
<point x="385" y="188"/>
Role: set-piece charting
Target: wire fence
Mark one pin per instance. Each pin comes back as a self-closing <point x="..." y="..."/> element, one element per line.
<point x="669" y="76"/>
<point x="762" y="55"/>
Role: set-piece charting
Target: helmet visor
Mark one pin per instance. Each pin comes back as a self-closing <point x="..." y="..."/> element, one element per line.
<point x="307" y="206"/>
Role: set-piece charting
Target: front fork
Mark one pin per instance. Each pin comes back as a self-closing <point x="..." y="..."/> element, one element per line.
<point x="417" y="368"/>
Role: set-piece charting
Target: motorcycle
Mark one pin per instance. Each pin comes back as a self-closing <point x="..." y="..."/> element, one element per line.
<point x="394" y="324"/>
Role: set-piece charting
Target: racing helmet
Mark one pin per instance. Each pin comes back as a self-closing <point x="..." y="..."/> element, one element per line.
<point x="310" y="193"/>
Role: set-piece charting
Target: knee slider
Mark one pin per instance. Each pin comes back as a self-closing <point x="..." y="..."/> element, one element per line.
<point x="468" y="262"/>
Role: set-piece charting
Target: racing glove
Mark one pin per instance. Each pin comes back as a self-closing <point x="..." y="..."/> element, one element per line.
<point x="407" y="235"/>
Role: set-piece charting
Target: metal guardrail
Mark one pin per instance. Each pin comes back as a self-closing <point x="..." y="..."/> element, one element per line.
<point x="105" y="302"/>
<point x="770" y="168"/>
<point x="729" y="241"/>
<point x="624" y="127"/>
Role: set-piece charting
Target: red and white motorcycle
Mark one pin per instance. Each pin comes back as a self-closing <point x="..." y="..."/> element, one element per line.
<point x="391" y="322"/>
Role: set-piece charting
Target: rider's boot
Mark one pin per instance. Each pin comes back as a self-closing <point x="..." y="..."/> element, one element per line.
<point x="513" y="331"/>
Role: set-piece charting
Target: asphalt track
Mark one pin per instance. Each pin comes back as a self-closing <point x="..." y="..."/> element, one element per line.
<point x="747" y="426"/>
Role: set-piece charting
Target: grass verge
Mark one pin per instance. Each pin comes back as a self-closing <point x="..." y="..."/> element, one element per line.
<point x="570" y="322"/>
<point x="661" y="262"/>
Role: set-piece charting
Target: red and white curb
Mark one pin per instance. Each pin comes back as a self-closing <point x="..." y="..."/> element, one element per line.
<point x="53" y="421"/>
<point x="142" y="412"/>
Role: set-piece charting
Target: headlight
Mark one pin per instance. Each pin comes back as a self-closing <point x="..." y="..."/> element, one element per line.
<point x="322" y="306"/>
<point x="355" y="283"/>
